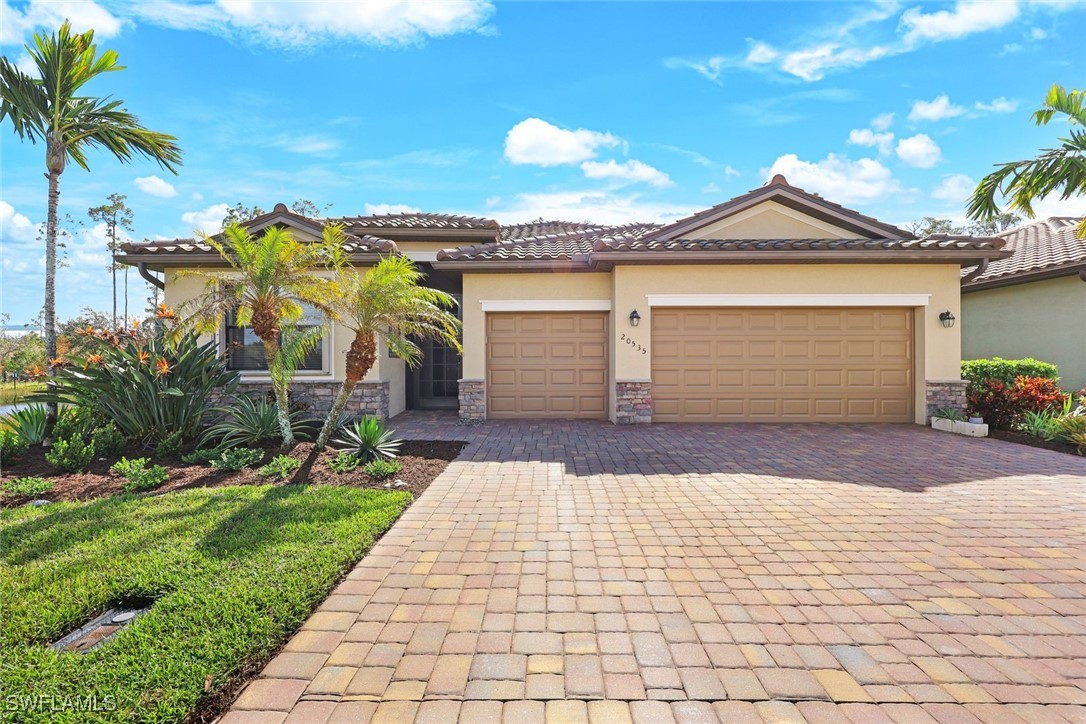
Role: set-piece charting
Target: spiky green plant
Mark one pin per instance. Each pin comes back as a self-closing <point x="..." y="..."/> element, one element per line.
<point x="368" y="440"/>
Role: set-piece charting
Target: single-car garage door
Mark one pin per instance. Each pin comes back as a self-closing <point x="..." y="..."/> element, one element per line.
<point x="546" y="364"/>
<point x="779" y="365"/>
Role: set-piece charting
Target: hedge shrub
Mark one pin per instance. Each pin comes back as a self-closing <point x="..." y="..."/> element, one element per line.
<point x="1006" y="370"/>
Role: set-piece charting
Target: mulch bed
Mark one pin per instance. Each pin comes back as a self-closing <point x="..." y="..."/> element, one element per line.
<point x="423" y="460"/>
<point x="1024" y="439"/>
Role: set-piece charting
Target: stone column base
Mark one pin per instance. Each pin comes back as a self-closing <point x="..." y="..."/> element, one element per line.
<point x="633" y="402"/>
<point x="472" y="399"/>
<point x="945" y="393"/>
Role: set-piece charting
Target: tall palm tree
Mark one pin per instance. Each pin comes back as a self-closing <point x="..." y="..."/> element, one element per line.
<point x="1024" y="182"/>
<point x="386" y="300"/>
<point x="270" y="278"/>
<point x="48" y="108"/>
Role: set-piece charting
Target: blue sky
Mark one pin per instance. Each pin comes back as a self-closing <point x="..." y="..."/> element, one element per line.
<point x="609" y="112"/>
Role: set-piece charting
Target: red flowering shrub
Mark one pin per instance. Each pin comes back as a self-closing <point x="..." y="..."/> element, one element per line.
<point x="991" y="400"/>
<point x="1036" y="394"/>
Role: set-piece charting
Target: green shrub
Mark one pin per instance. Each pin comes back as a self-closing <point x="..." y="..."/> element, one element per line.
<point x="147" y="386"/>
<point x="1065" y="428"/>
<point x="138" y="475"/>
<point x="170" y="445"/>
<point x="70" y="456"/>
<point x="1038" y="424"/>
<point x="1006" y="370"/>
<point x="368" y="440"/>
<point x="75" y="422"/>
<point x="281" y="466"/>
<point x="28" y="487"/>
<point x="237" y="458"/>
<point x="252" y="422"/>
<point x="381" y="469"/>
<point x="200" y="457"/>
<point x="343" y="462"/>
<point x="108" y="441"/>
<point x="12" y="446"/>
<point x="29" y="423"/>
<point x="950" y="413"/>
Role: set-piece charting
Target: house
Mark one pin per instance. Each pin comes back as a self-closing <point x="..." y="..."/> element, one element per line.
<point x="776" y="306"/>
<point x="1032" y="304"/>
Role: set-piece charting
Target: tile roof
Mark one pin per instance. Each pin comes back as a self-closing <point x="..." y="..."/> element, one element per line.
<point x="569" y="244"/>
<point x="545" y="228"/>
<point x="939" y="241"/>
<point x="1040" y="248"/>
<point x="417" y="220"/>
<point x="355" y="245"/>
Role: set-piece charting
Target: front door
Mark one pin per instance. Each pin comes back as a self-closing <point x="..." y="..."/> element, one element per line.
<point x="434" y="385"/>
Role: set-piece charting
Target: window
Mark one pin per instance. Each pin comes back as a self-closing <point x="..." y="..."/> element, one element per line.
<point x="245" y="351"/>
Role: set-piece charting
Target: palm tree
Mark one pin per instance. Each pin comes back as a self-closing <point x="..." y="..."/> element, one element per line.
<point x="386" y="300"/>
<point x="1023" y="182"/>
<point x="271" y="277"/>
<point x="48" y="108"/>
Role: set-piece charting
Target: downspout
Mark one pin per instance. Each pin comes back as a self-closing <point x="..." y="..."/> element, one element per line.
<point x="981" y="268"/>
<point x="142" y="269"/>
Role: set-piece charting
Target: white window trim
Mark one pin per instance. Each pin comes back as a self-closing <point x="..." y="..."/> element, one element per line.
<point x="546" y="305"/>
<point x="788" y="300"/>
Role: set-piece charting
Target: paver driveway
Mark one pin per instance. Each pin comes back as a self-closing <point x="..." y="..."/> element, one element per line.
<point x="580" y="571"/>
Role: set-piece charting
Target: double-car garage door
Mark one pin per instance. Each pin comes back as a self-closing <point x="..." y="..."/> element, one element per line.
<point x="840" y="364"/>
<point x="782" y="364"/>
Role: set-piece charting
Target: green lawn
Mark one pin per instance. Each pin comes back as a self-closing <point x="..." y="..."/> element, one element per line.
<point x="234" y="572"/>
<point x="18" y="391"/>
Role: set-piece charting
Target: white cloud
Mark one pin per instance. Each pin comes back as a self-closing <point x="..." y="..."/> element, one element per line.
<point x="197" y="196"/>
<point x="492" y="201"/>
<point x="603" y="207"/>
<point x="1053" y="205"/>
<point x="955" y="188"/>
<point x="631" y="171"/>
<point x="15" y="226"/>
<point x="1009" y="48"/>
<point x="935" y="110"/>
<point x="866" y="137"/>
<point x="710" y="188"/>
<point x="966" y="17"/>
<point x="883" y="121"/>
<point x="534" y="141"/>
<point x="309" y="144"/>
<point x="208" y="221"/>
<point x="999" y="105"/>
<point x="838" y="178"/>
<point x="729" y="171"/>
<point x="711" y="68"/>
<point x="1037" y="34"/>
<point x="301" y="24"/>
<point x="19" y="25"/>
<point x="814" y="63"/>
<point x="155" y="186"/>
<point x="382" y="209"/>
<point x="761" y="53"/>
<point x="919" y="151"/>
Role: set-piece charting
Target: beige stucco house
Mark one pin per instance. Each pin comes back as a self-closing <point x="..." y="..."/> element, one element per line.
<point x="1032" y="304"/>
<point x="776" y="306"/>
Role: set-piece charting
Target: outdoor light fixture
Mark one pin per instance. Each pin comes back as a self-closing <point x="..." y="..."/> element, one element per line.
<point x="635" y="318"/>
<point x="947" y="318"/>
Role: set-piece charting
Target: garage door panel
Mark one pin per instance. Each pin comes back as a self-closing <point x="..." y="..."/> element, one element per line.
<point x="833" y="364"/>
<point x="547" y="364"/>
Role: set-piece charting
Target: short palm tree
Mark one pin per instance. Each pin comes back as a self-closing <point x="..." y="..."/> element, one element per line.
<point x="386" y="300"/>
<point x="271" y="277"/>
<point x="1064" y="168"/>
<point x="48" y="108"/>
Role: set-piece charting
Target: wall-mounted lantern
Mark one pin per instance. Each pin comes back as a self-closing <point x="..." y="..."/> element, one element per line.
<point x="635" y="318"/>
<point x="947" y="318"/>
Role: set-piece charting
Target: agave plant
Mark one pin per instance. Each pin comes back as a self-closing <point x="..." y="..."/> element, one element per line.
<point x="249" y="422"/>
<point x="367" y="439"/>
<point x="28" y="423"/>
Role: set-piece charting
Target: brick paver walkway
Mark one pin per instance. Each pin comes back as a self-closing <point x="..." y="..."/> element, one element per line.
<point x="585" y="572"/>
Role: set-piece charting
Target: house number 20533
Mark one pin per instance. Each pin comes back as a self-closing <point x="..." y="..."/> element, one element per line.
<point x="633" y="344"/>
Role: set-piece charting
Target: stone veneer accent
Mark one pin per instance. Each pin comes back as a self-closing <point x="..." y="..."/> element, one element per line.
<point x="945" y="393"/>
<point x="633" y="402"/>
<point x="368" y="398"/>
<point x="472" y="399"/>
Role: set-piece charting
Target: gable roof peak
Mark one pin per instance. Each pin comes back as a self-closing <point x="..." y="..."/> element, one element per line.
<point x="778" y="180"/>
<point x="280" y="207"/>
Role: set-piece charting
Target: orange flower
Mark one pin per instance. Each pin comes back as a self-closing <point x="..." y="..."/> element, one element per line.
<point x="144" y="357"/>
<point x="135" y="324"/>
<point x="87" y="331"/>
<point x="94" y="359"/>
<point x="35" y="371"/>
<point x="165" y="312"/>
<point x="162" y="366"/>
<point x="58" y="362"/>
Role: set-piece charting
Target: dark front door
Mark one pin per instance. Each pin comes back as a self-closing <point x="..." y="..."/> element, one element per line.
<point x="433" y="384"/>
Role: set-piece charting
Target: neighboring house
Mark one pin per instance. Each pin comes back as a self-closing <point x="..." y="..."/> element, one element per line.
<point x="1032" y="304"/>
<point x="776" y="306"/>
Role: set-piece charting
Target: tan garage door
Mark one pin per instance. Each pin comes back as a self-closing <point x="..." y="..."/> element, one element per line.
<point x="546" y="364"/>
<point x="780" y="365"/>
